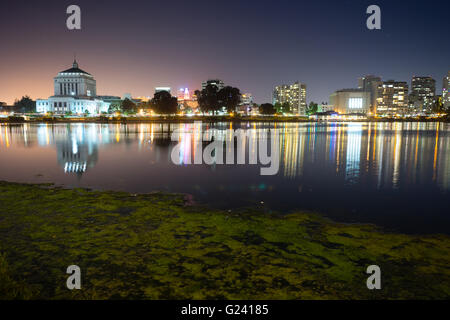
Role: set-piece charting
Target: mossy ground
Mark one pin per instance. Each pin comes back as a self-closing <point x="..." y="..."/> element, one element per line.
<point x="154" y="247"/>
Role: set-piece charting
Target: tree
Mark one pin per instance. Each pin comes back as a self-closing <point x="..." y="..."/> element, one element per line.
<point x="229" y="98"/>
<point x="114" y="107"/>
<point x="284" y="107"/>
<point x="208" y="100"/>
<point x="267" y="108"/>
<point x="211" y="99"/>
<point x="313" y="108"/>
<point x="164" y="103"/>
<point x="437" y="105"/>
<point x="254" y="107"/>
<point x="187" y="108"/>
<point x="128" y="106"/>
<point x="25" y="105"/>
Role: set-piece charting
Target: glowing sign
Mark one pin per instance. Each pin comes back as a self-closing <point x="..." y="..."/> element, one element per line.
<point x="355" y="103"/>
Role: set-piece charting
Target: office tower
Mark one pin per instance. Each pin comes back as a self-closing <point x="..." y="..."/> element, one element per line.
<point x="370" y="84"/>
<point x="246" y="99"/>
<point x="219" y="84"/>
<point x="423" y="91"/>
<point x="183" y="94"/>
<point x="294" y="94"/>
<point x="445" y="91"/>
<point x="392" y="98"/>
<point x="159" y="89"/>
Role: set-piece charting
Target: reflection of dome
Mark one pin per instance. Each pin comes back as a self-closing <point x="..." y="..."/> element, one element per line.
<point x="76" y="158"/>
<point x="75" y="167"/>
<point x="75" y="151"/>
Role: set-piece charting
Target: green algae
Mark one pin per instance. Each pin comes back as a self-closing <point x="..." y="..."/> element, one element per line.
<point x="153" y="246"/>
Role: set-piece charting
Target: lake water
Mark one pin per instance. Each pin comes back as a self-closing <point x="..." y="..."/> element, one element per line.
<point x="396" y="175"/>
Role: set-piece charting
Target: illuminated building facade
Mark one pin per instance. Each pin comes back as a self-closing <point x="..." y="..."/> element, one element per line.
<point x="75" y="91"/>
<point x="159" y="89"/>
<point x="246" y="104"/>
<point x="294" y="94"/>
<point x="187" y="102"/>
<point x="183" y="95"/>
<point x="370" y="84"/>
<point x="392" y="98"/>
<point x="423" y="91"/>
<point x="247" y="99"/>
<point x="219" y="84"/>
<point x="350" y="101"/>
<point x="446" y="92"/>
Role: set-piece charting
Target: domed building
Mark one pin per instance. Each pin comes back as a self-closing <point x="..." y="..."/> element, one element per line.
<point x="75" y="92"/>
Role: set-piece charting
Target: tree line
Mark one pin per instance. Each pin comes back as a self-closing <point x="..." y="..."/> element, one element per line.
<point x="210" y="100"/>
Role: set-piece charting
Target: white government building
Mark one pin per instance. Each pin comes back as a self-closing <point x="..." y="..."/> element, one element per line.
<point x="76" y="92"/>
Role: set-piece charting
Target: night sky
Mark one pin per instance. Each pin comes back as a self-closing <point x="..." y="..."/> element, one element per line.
<point x="132" y="46"/>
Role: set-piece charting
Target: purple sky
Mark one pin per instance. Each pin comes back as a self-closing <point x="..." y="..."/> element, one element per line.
<point x="133" y="46"/>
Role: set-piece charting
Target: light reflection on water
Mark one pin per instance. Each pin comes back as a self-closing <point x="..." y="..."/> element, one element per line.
<point x="385" y="173"/>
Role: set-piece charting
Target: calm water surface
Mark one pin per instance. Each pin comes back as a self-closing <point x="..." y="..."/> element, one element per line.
<point x="396" y="175"/>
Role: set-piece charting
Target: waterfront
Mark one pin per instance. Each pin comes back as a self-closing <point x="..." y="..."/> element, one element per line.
<point x="395" y="175"/>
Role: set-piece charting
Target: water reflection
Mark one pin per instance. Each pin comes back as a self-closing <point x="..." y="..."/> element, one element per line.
<point x="394" y="153"/>
<point x="393" y="174"/>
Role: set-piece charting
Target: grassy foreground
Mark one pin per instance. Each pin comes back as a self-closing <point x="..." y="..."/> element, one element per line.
<point x="154" y="246"/>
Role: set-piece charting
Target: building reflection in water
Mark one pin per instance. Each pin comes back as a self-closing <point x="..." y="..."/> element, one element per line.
<point x="389" y="155"/>
<point x="353" y="159"/>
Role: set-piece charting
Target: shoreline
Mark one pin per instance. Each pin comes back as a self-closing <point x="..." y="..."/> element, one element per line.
<point x="209" y="119"/>
<point x="155" y="246"/>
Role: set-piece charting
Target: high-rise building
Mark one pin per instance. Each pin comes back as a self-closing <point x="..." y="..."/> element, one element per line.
<point x="186" y="100"/>
<point x="246" y="104"/>
<point x="423" y="91"/>
<point x="183" y="94"/>
<point x="446" y="91"/>
<point x="215" y="82"/>
<point x="75" y="92"/>
<point x="294" y="94"/>
<point x="246" y="99"/>
<point x="350" y="101"/>
<point x="370" y="84"/>
<point x="392" y="98"/>
<point x="159" y="89"/>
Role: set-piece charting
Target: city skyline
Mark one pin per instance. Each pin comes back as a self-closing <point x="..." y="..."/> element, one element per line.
<point x="141" y="54"/>
<point x="439" y="90"/>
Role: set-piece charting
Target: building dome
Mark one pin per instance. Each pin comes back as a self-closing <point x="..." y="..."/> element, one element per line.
<point x="75" y="92"/>
<point x="75" y="69"/>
